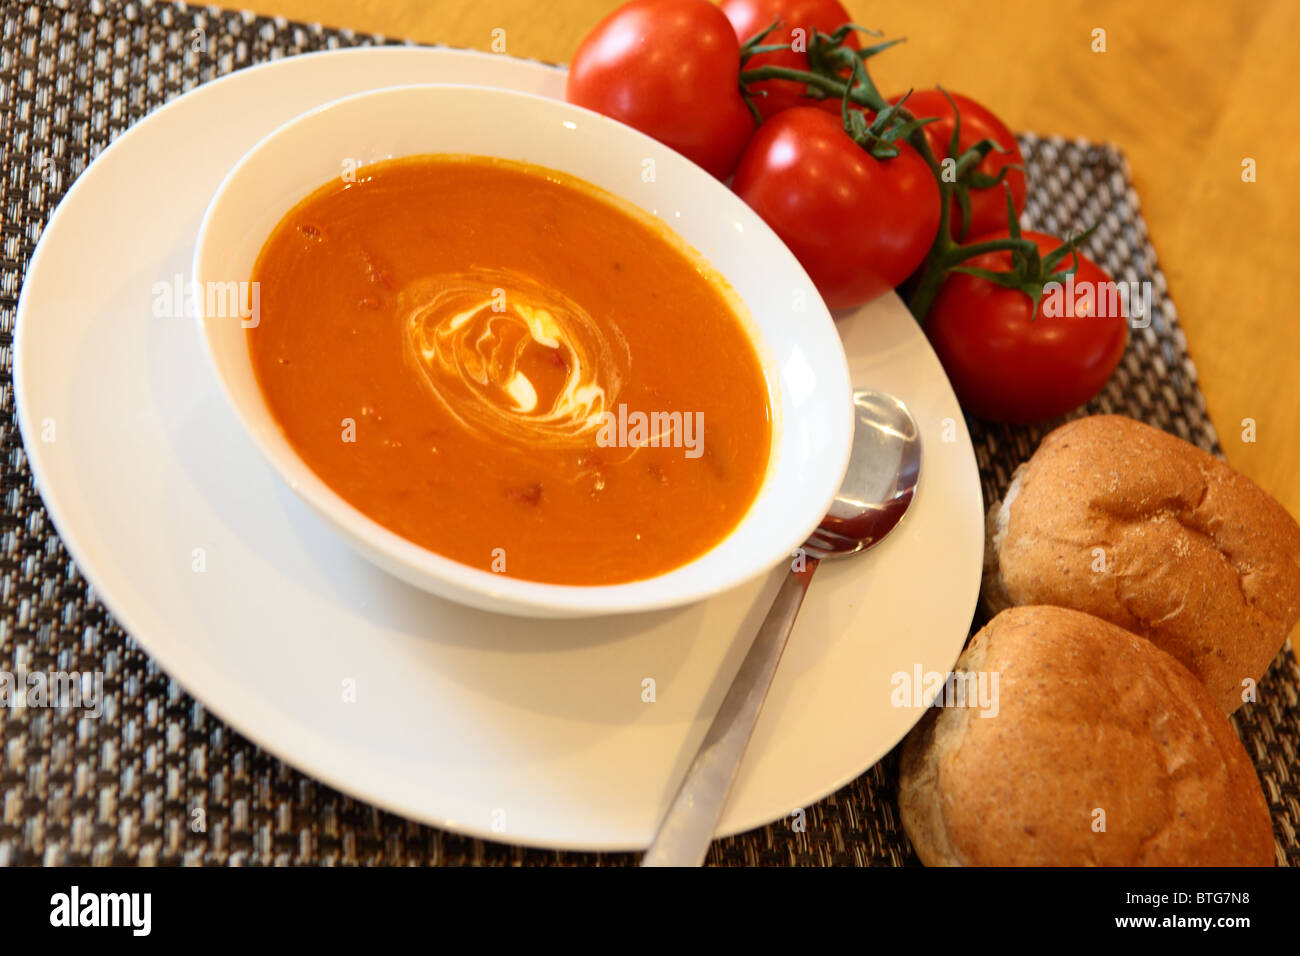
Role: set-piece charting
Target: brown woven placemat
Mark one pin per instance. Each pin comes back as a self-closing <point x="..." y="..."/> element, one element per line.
<point x="123" y="789"/>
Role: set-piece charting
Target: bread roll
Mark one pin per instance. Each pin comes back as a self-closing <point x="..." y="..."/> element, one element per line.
<point x="1103" y="751"/>
<point x="1144" y="530"/>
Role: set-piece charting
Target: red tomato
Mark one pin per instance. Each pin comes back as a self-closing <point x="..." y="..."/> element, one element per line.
<point x="670" y="68"/>
<point x="988" y="207"/>
<point x="859" y="225"/>
<point x="750" y="17"/>
<point x="1006" y="365"/>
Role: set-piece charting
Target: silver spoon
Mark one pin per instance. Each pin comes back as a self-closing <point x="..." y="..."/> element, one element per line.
<point x="877" y="490"/>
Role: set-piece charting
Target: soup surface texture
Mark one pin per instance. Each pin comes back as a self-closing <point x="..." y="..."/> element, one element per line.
<point x="511" y="368"/>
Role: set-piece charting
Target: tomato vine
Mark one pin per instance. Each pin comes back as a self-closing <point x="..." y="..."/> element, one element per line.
<point x="838" y="71"/>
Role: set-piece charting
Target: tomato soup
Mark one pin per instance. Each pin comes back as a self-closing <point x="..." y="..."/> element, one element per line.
<point x="511" y="368"/>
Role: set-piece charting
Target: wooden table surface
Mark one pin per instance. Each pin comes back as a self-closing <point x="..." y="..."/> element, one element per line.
<point x="1188" y="90"/>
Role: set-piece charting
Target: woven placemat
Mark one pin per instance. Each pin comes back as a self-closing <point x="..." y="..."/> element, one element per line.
<point x="124" y="789"/>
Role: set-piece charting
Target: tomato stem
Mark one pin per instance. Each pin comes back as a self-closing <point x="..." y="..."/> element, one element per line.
<point x="935" y="266"/>
<point x="945" y="252"/>
<point x="864" y="93"/>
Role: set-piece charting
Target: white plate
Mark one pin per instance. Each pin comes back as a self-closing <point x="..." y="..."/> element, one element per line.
<point x="531" y="732"/>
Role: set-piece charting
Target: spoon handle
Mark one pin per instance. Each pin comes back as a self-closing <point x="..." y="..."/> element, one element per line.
<point x="687" y="828"/>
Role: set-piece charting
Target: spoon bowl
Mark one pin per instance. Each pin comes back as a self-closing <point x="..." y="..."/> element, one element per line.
<point x="878" y="486"/>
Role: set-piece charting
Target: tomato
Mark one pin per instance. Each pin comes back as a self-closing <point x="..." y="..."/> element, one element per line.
<point x="988" y="207"/>
<point x="670" y="68"/>
<point x="750" y="17"/>
<point x="1007" y="365"/>
<point x="859" y="225"/>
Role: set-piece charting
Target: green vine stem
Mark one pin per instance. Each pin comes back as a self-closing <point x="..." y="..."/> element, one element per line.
<point x="945" y="252"/>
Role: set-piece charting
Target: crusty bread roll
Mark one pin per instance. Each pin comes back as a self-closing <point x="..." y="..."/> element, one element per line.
<point x="1144" y="530"/>
<point x="1093" y="727"/>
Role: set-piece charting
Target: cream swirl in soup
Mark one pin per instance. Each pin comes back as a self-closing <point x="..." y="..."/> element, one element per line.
<point x="510" y="357"/>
